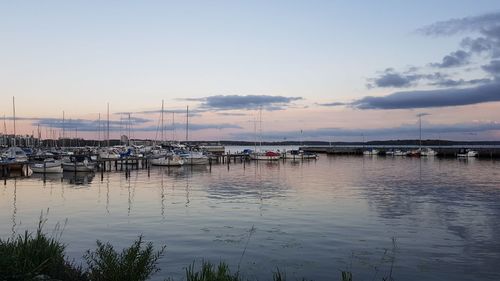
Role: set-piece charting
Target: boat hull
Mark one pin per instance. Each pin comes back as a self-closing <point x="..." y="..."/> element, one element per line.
<point x="49" y="168"/>
<point x="196" y="161"/>
<point x="167" y="161"/>
<point x="264" y="157"/>
<point x="78" y="167"/>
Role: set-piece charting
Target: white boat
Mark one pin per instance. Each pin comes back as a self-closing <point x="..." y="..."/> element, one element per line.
<point x="15" y="155"/>
<point x="268" y="155"/>
<point x="426" y="151"/>
<point x="109" y="154"/>
<point x="49" y="166"/>
<point x="399" y="153"/>
<point x="299" y="155"/>
<point x="467" y="153"/>
<point x="371" y="152"/>
<point x="195" y="158"/>
<point x="167" y="160"/>
<point x="78" y="164"/>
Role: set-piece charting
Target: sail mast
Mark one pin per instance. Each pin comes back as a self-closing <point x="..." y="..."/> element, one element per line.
<point x="99" y="130"/>
<point x="420" y="131"/>
<point x="162" y="126"/>
<point x="187" y="124"/>
<point x="107" y="135"/>
<point x="173" y="126"/>
<point x="260" y="127"/>
<point x="129" y="127"/>
<point x="14" y="119"/>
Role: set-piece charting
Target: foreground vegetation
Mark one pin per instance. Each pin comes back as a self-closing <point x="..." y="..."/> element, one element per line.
<point x="36" y="256"/>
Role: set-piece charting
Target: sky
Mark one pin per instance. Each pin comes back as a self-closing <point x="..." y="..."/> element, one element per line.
<point x="286" y="70"/>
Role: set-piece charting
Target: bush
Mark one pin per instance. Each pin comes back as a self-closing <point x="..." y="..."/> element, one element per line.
<point x="135" y="263"/>
<point x="26" y="256"/>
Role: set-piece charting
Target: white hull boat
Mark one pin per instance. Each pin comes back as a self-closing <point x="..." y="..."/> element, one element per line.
<point x="299" y="155"/>
<point x="468" y="153"/>
<point x="48" y="167"/>
<point x="267" y="156"/>
<point x="428" y="152"/>
<point x="167" y="161"/>
<point x="196" y="159"/>
<point x="80" y="165"/>
<point x="371" y="152"/>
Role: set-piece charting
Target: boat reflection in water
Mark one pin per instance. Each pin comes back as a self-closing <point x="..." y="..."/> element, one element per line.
<point x="78" y="178"/>
<point x="51" y="177"/>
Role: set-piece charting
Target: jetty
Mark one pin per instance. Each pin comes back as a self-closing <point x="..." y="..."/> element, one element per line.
<point x="443" y="151"/>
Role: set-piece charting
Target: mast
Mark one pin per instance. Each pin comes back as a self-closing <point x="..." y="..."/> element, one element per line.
<point x="162" y="126"/>
<point x="260" y="127"/>
<point x="254" y="134"/>
<point x="99" y="130"/>
<point x="14" y="114"/>
<point x="4" y="130"/>
<point x="187" y="124"/>
<point x="420" y="131"/>
<point x="107" y="135"/>
<point x="129" y="125"/>
<point x="39" y="134"/>
<point x="63" y="131"/>
<point x="173" y="126"/>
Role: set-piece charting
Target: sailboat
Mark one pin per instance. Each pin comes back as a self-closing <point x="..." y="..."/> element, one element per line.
<point x="14" y="154"/>
<point x="264" y="155"/>
<point x="163" y="157"/>
<point x="192" y="157"/>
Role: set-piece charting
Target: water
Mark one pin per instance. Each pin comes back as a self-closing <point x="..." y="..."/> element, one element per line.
<point x="310" y="219"/>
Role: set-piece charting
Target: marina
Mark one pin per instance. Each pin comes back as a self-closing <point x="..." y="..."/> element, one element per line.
<point x="335" y="212"/>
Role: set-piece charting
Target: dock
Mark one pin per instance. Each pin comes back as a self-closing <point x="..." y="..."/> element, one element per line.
<point x="449" y="151"/>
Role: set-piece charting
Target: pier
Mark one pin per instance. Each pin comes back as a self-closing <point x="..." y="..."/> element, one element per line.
<point x="445" y="151"/>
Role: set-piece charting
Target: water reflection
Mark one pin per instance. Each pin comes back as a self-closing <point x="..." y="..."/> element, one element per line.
<point x="444" y="212"/>
<point x="55" y="177"/>
<point x="78" y="178"/>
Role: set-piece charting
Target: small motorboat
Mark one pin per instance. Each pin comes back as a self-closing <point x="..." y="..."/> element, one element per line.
<point x="167" y="160"/>
<point x="78" y="163"/>
<point x="467" y="153"/>
<point x="429" y="152"/>
<point x="268" y="155"/>
<point x="48" y="166"/>
<point x="371" y="152"/>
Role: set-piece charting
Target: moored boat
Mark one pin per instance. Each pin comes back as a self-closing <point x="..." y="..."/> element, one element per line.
<point x="167" y="160"/>
<point x="426" y="151"/>
<point x="268" y="155"/>
<point x="47" y="166"/>
<point x="78" y="164"/>
<point x="467" y="153"/>
<point x="299" y="155"/>
<point x="372" y="152"/>
<point x="195" y="158"/>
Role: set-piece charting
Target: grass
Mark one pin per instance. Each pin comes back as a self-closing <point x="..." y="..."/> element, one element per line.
<point x="32" y="255"/>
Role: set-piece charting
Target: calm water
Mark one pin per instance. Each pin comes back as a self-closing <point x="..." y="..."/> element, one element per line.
<point x="310" y="219"/>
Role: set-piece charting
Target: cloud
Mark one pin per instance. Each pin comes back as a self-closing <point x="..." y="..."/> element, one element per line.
<point x="247" y="102"/>
<point x="192" y="127"/>
<point x="390" y="78"/>
<point x="455" y="26"/>
<point x="493" y="68"/>
<point x="454" y="59"/>
<point x="432" y="98"/>
<point x="231" y="114"/>
<point x="459" y="82"/>
<point x="488" y="25"/>
<point x="332" y="104"/>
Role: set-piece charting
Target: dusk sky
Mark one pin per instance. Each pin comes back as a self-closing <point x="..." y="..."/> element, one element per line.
<point x="336" y="70"/>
